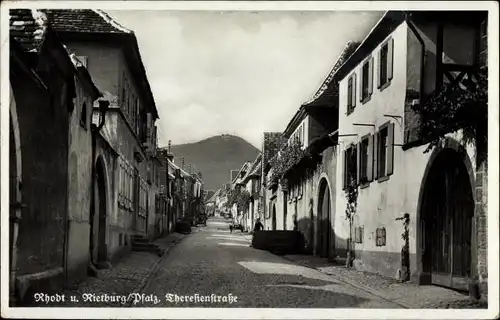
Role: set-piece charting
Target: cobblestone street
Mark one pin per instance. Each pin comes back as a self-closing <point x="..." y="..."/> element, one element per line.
<point x="213" y="264"/>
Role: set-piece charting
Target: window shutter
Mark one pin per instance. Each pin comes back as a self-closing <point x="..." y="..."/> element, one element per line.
<point x="344" y="184"/>
<point x="360" y="84"/>
<point x="148" y="127"/>
<point x="353" y="90"/>
<point x="369" y="165"/>
<point x="358" y="161"/>
<point x="390" y="57"/>
<point x="375" y="156"/>
<point x="390" y="149"/>
<point x="370" y="76"/>
<point x="379" y="62"/>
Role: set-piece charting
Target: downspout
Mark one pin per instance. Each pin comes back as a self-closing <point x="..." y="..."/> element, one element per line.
<point x="103" y="108"/>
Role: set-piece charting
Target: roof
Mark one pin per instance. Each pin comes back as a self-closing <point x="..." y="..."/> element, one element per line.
<point x="385" y="26"/>
<point x="254" y="169"/>
<point x="84" y="20"/>
<point x="327" y="94"/>
<point x="89" y="25"/>
<point x="28" y="28"/>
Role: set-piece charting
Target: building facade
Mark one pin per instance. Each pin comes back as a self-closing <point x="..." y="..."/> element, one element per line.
<point x="400" y="64"/>
<point x="111" y="55"/>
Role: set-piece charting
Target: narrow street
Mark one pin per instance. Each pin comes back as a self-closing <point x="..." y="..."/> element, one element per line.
<point x="215" y="262"/>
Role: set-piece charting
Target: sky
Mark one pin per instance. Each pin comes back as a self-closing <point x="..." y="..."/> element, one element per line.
<point x="240" y="73"/>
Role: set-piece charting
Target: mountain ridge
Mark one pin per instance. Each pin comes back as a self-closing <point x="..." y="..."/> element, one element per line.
<point x="215" y="157"/>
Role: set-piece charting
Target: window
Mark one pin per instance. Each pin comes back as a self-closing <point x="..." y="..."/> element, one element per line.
<point x="358" y="234"/>
<point x="366" y="80"/>
<point x="363" y="170"/>
<point x="380" y="239"/>
<point x="385" y="147"/>
<point x="126" y="190"/>
<point x="351" y="93"/>
<point x="350" y="165"/>
<point x="83" y="116"/>
<point x="385" y="58"/>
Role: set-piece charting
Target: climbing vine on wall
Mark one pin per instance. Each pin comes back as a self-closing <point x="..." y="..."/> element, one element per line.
<point x="462" y="105"/>
<point x="289" y="156"/>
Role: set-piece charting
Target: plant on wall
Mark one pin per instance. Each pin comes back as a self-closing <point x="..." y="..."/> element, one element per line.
<point x="351" y="194"/>
<point x="405" y="251"/>
<point x="289" y="156"/>
<point x="458" y="105"/>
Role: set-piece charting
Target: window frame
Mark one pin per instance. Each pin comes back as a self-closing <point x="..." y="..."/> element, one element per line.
<point x="366" y="85"/>
<point x="364" y="181"/>
<point x="388" y="44"/>
<point x="351" y="165"/>
<point x="351" y="93"/>
<point x="388" y="127"/>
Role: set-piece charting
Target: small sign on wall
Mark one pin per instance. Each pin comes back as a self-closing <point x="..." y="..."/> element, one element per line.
<point x="381" y="236"/>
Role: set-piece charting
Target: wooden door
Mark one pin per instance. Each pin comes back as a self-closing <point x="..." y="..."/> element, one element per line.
<point x="447" y="224"/>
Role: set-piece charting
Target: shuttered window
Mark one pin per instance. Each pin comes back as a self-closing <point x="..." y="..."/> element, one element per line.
<point x="350" y="164"/>
<point x="351" y="93"/>
<point x="385" y="63"/>
<point x="385" y="153"/>
<point x="366" y="83"/>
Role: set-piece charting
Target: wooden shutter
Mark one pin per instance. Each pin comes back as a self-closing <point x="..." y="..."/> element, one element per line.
<point x="358" y="161"/>
<point x="369" y="164"/>
<point x="390" y="56"/>
<point x="370" y="76"/>
<point x="379" y="62"/>
<point x="390" y="149"/>
<point x="353" y="91"/>
<point x="375" y="155"/>
<point x="360" y="84"/>
<point x="344" y="184"/>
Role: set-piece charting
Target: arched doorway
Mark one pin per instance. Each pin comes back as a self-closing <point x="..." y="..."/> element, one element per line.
<point x="99" y="253"/>
<point x="446" y="213"/>
<point x="323" y="230"/>
<point x="273" y="219"/>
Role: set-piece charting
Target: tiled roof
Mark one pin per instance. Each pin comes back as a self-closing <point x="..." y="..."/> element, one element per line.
<point x="28" y="28"/>
<point x="83" y="20"/>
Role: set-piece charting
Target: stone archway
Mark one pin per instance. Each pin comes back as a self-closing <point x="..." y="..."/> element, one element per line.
<point x="15" y="185"/>
<point x="445" y="217"/>
<point x="324" y="219"/>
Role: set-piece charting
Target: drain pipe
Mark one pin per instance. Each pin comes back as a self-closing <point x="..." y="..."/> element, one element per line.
<point x="103" y="108"/>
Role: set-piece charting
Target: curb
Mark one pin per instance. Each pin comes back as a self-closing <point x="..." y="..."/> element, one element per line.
<point x="153" y="270"/>
<point x="360" y="287"/>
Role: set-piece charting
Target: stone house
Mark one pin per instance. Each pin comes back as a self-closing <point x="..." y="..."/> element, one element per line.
<point x="251" y="182"/>
<point x="112" y="57"/>
<point x="406" y="58"/>
<point x="52" y="96"/>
